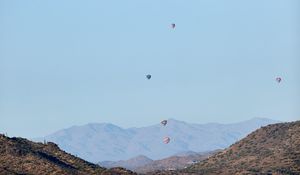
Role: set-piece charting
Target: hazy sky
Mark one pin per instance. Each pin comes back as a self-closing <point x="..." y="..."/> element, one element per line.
<point x="67" y="62"/>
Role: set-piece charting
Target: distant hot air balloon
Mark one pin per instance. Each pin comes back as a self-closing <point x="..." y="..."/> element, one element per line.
<point x="166" y="140"/>
<point x="173" y="26"/>
<point x="164" y="122"/>
<point x="278" y="79"/>
<point x="148" y="76"/>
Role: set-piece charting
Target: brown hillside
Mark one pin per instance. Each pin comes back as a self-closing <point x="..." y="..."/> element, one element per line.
<point x="174" y="162"/>
<point x="274" y="149"/>
<point x="21" y="156"/>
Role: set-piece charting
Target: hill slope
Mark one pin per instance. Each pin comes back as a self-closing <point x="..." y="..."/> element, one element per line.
<point x="271" y="149"/>
<point x="131" y="164"/>
<point x="142" y="164"/>
<point x="20" y="156"/>
<point x="174" y="162"/>
<point x="103" y="142"/>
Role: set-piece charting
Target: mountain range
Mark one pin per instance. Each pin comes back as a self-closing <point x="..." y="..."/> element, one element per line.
<point x="102" y="142"/>
<point x="143" y="164"/>
<point x="131" y="164"/>
<point x="174" y="162"/>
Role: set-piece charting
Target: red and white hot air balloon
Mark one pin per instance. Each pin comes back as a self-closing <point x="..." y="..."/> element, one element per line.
<point x="166" y="140"/>
<point x="278" y="79"/>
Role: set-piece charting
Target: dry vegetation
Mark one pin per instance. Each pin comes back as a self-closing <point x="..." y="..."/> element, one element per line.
<point x="20" y="156"/>
<point x="274" y="149"/>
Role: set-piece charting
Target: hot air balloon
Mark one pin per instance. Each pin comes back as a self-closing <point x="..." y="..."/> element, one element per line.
<point x="173" y="26"/>
<point x="164" y="122"/>
<point x="148" y="76"/>
<point x="278" y="79"/>
<point x="166" y="140"/>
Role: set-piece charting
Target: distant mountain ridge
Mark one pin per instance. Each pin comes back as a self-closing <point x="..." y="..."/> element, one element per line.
<point x="100" y="142"/>
<point x="142" y="164"/>
<point x="131" y="164"/>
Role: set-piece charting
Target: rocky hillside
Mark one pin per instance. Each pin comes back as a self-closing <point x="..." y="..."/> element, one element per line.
<point x="20" y="156"/>
<point x="274" y="149"/>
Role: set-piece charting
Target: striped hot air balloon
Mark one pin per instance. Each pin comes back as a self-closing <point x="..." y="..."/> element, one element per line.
<point x="166" y="140"/>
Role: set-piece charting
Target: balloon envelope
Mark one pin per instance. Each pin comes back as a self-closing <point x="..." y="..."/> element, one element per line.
<point x="278" y="79"/>
<point x="148" y="76"/>
<point x="166" y="140"/>
<point x="164" y="122"/>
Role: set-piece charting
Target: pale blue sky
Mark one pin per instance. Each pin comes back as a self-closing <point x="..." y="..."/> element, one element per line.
<point x="66" y="62"/>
